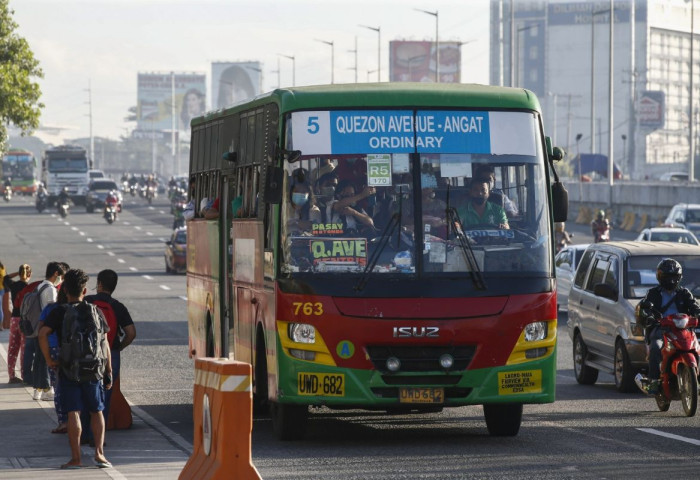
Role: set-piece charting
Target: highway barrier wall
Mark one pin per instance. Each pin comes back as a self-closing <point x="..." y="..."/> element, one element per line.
<point x="223" y="421"/>
<point x="635" y="205"/>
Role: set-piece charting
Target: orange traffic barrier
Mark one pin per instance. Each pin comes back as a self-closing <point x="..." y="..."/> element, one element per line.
<point x="643" y="222"/>
<point x="223" y="421"/>
<point x="120" y="417"/>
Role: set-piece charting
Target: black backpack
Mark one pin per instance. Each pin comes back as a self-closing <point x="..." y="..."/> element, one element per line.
<point x="83" y="341"/>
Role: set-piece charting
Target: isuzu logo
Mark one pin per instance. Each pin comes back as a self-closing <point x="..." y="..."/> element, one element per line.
<point x="416" y="332"/>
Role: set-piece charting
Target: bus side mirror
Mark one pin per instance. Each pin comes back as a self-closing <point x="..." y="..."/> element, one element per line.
<point x="273" y="188"/>
<point x="560" y="202"/>
<point x="557" y="154"/>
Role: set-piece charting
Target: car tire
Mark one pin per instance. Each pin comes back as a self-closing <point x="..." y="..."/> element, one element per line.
<point x="585" y="375"/>
<point x="167" y="267"/>
<point x="623" y="373"/>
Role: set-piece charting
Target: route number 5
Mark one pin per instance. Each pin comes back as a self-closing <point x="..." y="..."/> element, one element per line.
<point x="313" y="125"/>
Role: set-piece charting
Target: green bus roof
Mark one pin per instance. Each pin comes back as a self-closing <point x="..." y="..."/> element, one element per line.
<point x="388" y="95"/>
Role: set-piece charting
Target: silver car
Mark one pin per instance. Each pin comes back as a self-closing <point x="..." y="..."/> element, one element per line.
<point x="610" y="281"/>
<point x="566" y="262"/>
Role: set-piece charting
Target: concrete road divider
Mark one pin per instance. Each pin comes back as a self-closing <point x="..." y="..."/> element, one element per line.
<point x="223" y="421"/>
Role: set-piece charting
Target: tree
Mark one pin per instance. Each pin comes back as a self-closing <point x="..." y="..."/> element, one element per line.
<point x="19" y="94"/>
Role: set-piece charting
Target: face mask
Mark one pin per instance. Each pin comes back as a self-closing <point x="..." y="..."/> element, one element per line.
<point x="299" y="198"/>
<point x="478" y="200"/>
<point x="328" y="191"/>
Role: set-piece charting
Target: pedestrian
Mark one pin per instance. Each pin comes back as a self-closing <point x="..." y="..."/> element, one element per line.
<point x="61" y="416"/>
<point x="2" y="295"/>
<point x="80" y="387"/>
<point x="16" y="341"/>
<point x="36" y="372"/>
<point x="120" y="337"/>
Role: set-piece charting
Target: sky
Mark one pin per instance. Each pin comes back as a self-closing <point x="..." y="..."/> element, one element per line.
<point x="94" y="49"/>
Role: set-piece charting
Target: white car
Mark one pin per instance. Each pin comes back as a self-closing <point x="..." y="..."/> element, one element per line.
<point x="668" y="234"/>
<point x="566" y="262"/>
<point x="685" y="215"/>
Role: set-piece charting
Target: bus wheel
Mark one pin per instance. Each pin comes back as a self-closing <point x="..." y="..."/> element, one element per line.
<point x="503" y="419"/>
<point x="260" y="394"/>
<point x="289" y="421"/>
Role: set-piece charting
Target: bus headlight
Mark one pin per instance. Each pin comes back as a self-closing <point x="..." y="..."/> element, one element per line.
<point x="535" y="331"/>
<point x="302" y="333"/>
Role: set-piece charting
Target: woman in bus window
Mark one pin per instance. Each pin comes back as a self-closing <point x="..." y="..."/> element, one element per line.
<point x="302" y="210"/>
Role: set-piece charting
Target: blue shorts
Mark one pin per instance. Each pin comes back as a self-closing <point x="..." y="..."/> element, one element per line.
<point x="77" y="396"/>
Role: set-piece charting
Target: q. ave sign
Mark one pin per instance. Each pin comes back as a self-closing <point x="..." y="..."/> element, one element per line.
<point x="400" y="131"/>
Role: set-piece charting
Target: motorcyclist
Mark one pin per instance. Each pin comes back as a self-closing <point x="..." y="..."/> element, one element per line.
<point x="665" y="299"/>
<point x="41" y="193"/>
<point x="111" y="200"/>
<point x="600" y="226"/>
<point x="64" y="196"/>
<point x="561" y="236"/>
<point x="7" y="182"/>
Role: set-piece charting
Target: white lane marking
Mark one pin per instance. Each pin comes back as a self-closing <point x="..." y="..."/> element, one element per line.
<point x="137" y="227"/>
<point x="161" y="239"/>
<point x="75" y="229"/>
<point x="151" y="207"/>
<point x="89" y="240"/>
<point x="164" y="287"/>
<point x="183" y="297"/>
<point x="66" y="224"/>
<point x="147" y="277"/>
<point x="82" y="234"/>
<point x="111" y="254"/>
<point x="121" y="260"/>
<point x="127" y="223"/>
<point x="133" y="269"/>
<point x="670" y="435"/>
<point x="161" y="212"/>
<point x="149" y="233"/>
<point x="101" y="247"/>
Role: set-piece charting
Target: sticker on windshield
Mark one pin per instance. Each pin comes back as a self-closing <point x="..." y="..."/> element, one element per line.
<point x="379" y="170"/>
<point x="397" y="131"/>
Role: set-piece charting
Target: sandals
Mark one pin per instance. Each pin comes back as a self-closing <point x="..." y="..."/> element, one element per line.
<point x="104" y="464"/>
<point x="60" y="429"/>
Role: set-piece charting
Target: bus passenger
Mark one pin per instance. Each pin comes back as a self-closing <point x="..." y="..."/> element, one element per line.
<point x="478" y="211"/>
<point x="302" y="211"/>
<point x="344" y="208"/>
<point x="325" y="190"/>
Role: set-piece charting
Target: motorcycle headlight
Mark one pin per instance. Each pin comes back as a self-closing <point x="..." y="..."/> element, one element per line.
<point x="680" y="321"/>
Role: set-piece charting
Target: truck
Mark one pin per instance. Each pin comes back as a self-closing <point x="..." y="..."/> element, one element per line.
<point x="66" y="166"/>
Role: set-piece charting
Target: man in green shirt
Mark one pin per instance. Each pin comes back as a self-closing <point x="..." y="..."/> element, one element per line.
<point x="478" y="211"/>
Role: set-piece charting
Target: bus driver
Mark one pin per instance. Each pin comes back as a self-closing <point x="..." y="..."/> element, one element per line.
<point x="478" y="211"/>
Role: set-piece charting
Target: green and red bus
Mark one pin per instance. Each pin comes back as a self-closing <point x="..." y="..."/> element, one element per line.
<point x="21" y="167"/>
<point x="417" y="310"/>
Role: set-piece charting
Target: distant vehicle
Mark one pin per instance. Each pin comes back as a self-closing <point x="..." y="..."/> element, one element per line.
<point x="20" y="165"/>
<point x="610" y="281"/>
<point x="674" y="177"/>
<point x="566" y="262"/>
<point x="668" y="234"/>
<point x="685" y="215"/>
<point x="98" y="190"/>
<point x="176" y="251"/>
<point x="66" y="166"/>
<point x="96" y="174"/>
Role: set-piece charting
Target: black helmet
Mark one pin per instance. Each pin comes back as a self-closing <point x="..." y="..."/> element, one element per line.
<point x="669" y="273"/>
<point x="600" y="215"/>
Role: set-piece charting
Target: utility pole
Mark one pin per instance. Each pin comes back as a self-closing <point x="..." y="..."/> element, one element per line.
<point x="173" y="149"/>
<point x="355" y="52"/>
<point x="630" y="159"/>
<point x="611" y="95"/>
<point x="92" y="139"/>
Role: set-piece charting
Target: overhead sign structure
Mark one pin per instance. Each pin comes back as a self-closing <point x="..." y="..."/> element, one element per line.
<point x="399" y="131"/>
<point x="412" y="61"/>
<point x="651" y="108"/>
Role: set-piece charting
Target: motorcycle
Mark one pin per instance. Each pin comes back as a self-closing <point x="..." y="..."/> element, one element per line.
<point x="601" y="233"/>
<point x="110" y="211"/>
<point x="150" y="193"/>
<point x="679" y="364"/>
<point x="7" y="194"/>
<point x="132" y="189"/>
<point x="63" y="206"/>
<point x="40" y="202"/>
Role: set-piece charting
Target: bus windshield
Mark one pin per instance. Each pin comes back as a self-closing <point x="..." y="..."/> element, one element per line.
<point x="415" y="192"/>
<point x="19" y="167"/>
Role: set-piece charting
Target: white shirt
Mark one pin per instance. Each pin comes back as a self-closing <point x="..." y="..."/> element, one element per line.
<point x="48" y="295"/>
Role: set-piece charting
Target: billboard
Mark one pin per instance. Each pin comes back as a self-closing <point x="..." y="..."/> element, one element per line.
<point x="233" y="82"/>
<point x="411" y="61"/>
<point x="651" y="108"/>
<point x="155" y="92"/>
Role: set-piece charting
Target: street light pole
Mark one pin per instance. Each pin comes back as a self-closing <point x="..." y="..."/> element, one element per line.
<point x="580" y="173"/>
<point x="437" y="44"/>
<point x="379" y="49"/>
<point x="294" y="68"/>
<point x="355" y="52"/>
<point x="691" y="117"/>
<point x="330" y="43"/>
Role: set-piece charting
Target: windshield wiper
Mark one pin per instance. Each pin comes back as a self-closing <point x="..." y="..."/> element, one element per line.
<point x="455" y="224"/>
<point x="394" y="222"/>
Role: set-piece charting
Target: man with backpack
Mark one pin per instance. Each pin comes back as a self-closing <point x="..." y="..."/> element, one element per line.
<point x="122" y="331"/>
<point x="32" y="300"/>
<point x="85" y="368"/>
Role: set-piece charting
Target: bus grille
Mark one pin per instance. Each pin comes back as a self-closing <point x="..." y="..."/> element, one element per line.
<point x="420" y="359"/>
